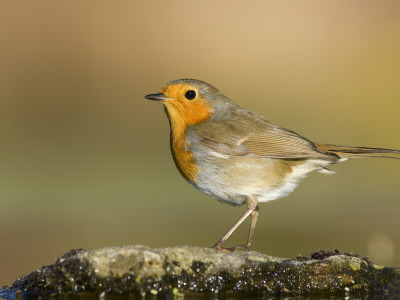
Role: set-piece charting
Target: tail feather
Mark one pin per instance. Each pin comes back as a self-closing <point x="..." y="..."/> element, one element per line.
<point x="357" y="152"/>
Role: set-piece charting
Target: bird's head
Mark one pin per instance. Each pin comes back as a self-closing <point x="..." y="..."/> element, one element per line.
<point x="189" y="101"/>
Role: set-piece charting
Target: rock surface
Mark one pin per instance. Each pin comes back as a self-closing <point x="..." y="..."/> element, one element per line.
<point x="139" y="270"/>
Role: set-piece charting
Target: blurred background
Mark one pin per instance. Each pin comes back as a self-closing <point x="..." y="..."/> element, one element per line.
<point x="85" y="159"/>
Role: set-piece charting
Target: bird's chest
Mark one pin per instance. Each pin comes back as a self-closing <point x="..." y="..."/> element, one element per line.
<point x="183" y="156"/>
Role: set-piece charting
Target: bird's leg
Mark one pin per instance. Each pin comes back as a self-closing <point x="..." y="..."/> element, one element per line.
<point x="219" y="244"/>
<point x="254" y="216"/>
<point x="252" y="208"/>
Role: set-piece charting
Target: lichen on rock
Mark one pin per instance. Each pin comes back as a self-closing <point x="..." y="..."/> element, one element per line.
<point x="140" y="270"/>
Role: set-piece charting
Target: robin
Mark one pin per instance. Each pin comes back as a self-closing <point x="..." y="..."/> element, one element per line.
<point x="238" y="156"/>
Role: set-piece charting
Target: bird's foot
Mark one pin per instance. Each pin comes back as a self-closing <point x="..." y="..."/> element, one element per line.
<point x="233" y="249"/>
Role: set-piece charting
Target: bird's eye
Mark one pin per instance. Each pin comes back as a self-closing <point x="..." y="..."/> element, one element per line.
<point x="190" y="95"/>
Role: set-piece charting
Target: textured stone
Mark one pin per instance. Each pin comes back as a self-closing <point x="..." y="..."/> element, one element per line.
<point x="189" y="270"/>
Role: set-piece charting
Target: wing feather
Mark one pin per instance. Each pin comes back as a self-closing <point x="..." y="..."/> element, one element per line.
<point x="272" y="142"/>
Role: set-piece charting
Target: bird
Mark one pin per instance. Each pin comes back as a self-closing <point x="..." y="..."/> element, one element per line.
<point x="238" y="156"/>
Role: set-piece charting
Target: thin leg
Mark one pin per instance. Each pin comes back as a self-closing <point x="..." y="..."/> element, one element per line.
<point x="254" y="216"/>
<point x="230" y="231"/>
<point x="252" y="208"/>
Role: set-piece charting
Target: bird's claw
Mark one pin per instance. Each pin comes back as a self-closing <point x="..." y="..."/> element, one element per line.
<point x="233" y="249"/>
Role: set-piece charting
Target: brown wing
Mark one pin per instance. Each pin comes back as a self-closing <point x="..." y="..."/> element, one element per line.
<point x="273" y="142"/>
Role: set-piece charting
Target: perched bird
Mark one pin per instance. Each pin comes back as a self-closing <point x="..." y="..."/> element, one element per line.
<point x="238" y="156"/>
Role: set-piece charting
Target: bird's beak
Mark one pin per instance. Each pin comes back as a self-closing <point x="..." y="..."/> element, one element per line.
<point x="157" y="97"/>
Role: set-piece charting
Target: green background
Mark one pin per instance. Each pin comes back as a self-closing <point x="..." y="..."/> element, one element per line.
<point x="85" y="160"/>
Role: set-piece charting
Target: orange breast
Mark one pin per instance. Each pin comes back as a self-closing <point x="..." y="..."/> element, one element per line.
<point x="183" y="157"/>
<point x="179" y="121"/>
<point x="181" y="114"/>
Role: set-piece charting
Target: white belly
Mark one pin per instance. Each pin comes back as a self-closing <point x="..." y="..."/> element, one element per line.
<point x="298" y="172"/>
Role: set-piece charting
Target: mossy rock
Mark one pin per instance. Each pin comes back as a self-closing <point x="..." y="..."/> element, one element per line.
<point x="178" y="271"/>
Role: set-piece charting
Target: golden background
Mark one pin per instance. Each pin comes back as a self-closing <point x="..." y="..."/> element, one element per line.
<point x="84" y="158"/>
